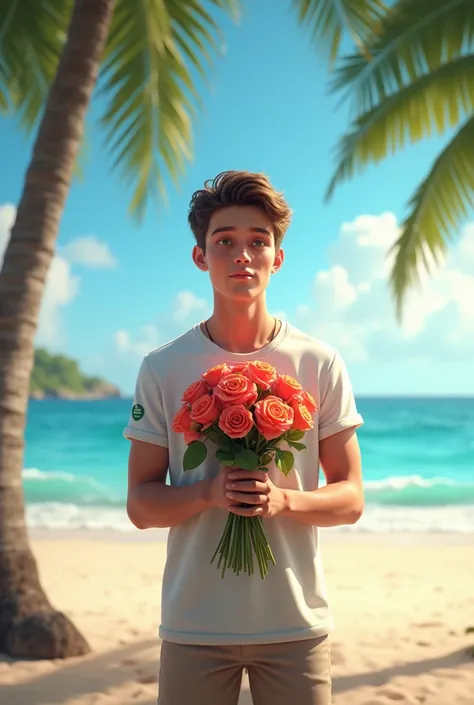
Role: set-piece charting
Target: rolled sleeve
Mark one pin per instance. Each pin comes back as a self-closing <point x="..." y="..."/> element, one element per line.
<point x="147" y="420"/>
<point x="338" y="407"/>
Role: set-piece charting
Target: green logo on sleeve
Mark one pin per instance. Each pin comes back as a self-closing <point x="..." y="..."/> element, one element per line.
<point x="138" y="412"/>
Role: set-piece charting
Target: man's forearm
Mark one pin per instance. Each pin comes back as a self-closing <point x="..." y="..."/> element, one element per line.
<point x="333" y="505"/>
<point x="157" y="505"/>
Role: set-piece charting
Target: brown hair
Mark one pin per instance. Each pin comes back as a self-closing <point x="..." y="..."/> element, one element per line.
<point x="237" y="188"/>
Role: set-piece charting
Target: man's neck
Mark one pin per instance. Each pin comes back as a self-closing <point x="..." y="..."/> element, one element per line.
<point x="241" y="328"/>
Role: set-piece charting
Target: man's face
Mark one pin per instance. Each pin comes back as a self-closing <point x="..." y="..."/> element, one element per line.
<point x="240" y="252"/>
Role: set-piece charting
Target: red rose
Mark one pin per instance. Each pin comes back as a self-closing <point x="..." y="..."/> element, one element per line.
<point x="205" y="410"/>
<point x="236" y="389"/>
<point x="262" y="373"/>
<point x="273" y="417"/>
<point x="213" y="376"/>
<point x="303" y="420"/>
<point x="195" y="391"/>
<point x="182" y="420"/>
<point x="303" y="398"/>
<point x="285" y="387"/>
<point x="236" y="421"/>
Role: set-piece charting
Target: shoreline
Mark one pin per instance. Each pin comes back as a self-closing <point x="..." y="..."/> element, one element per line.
<point x="326" y="536"/>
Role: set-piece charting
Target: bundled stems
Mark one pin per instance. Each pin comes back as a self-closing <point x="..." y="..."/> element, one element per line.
<point x="242" y="538"/>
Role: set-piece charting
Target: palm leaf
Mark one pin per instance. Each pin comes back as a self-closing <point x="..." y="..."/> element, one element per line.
<point x="439" y="203"/>
<point x="32" y="33"/>
<point x="414" y="38"/>
<point x="153" y="48"/>
<point x="434" y="102"/>
<point x="327" y="19"/>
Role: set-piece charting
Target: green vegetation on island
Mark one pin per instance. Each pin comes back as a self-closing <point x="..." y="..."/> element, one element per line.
<point x="60" y="376"/>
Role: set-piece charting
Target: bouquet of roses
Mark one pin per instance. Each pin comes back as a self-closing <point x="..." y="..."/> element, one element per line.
<point x="247" y="410"/>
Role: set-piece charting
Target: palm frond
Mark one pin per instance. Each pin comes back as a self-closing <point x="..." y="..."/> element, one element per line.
<point x="413" y="38"/>
<point x="439" y="203"/>
<point x="433" y="103"/>
<point x="32" y="34"/>
<point x="153" y="48"/>
<point x="327" y="20"/>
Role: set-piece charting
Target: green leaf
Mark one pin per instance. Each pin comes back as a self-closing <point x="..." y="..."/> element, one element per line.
<point x="194" y="455"/>
<point x="284" y="460"/>
<point x="294" y="435"/>
<point x="227" y="459"/>
<point x="220" y="439"/>
<point x="327" y="20"/>
<point x="157" y="49"/>
<point x="432" y="104"/>
<point x="265" y="459"/>
<point x="32" y="36"/>
<point x="439" y="204"/>
<point x="297" y="446"/>
<point x="246" y="459"/>
<point x="415" y="37"/>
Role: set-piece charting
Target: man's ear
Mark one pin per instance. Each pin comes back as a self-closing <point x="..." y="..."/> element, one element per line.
<point x="279" y="258"/>
<point x="199" y="258"/>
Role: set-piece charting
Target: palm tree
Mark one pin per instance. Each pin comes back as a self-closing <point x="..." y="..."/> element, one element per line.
<point x="415" y="77"/>
<point x="52" y="54"/>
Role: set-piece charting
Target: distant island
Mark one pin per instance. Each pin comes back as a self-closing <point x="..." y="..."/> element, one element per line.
<point x="59" y="377"/>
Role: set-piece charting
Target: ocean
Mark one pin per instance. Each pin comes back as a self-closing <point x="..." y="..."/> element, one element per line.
<point x="418" y="465"/>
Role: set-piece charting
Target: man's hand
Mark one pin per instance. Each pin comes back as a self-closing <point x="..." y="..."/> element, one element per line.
<point x="233" y="487"/>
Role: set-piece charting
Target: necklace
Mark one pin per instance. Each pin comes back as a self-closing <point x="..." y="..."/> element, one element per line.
<point x="270" y="340"/>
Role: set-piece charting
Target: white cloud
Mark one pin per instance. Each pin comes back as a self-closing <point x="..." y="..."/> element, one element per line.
<point x="7" y="218"/>
<point x="60" y="288"/>
<point x="355" y="312"/>
<point x="187" y="304"/>
<point x="89" y="251"/>
<point x="148" y="339"/>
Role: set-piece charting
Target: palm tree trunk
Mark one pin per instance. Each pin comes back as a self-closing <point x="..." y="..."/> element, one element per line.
<point x="29" y="626"/>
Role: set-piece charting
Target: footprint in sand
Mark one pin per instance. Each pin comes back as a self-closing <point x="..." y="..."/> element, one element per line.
<point x="147" y="680"/>
<point x="398" y="695"/>
<point x="427" y="625"/>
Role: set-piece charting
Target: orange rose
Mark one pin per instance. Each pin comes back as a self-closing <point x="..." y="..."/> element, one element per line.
<point x="262" y="373"/>
<point x="303" y="398"/>
<point x="192" y="435"/>
<point x="205" y="410"/>
<point x="285" y="387"/>
<point x="239" y="368"/>
<point x="213" y="376"/>
<point x="182" y="420"/>
<point x="303" y="420"/>
<point x="236" y="421"/>
<point x="195" y="391"/>
<point x="236" y="389"/>
<point x="273" y="417"/>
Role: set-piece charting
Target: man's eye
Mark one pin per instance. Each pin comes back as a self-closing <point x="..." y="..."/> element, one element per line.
<point x="260" y="243"/>
<point x="224" y="241"/>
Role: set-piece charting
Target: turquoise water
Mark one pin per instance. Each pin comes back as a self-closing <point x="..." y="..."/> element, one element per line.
<point x="418" y="461"/>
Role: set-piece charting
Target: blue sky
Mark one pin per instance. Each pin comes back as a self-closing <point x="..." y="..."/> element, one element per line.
<point x="117" y="289"/>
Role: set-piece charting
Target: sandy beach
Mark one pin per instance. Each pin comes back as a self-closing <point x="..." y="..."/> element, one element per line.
<point x="401" y="605"/>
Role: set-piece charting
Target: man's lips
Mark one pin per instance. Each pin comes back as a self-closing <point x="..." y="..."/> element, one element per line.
<point x="241" y="275"/>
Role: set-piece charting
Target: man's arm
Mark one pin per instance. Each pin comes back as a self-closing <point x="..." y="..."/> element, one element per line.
<point x="341" y="501"/>
<point x="151" y="503"/>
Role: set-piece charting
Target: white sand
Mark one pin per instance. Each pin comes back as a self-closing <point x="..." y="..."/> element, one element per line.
<point x="401" y="606"/>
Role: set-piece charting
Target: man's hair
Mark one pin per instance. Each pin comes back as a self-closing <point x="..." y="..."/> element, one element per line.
<point x="238" y="188"/>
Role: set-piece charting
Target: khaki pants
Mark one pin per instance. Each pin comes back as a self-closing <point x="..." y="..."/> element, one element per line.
<point x="291" y="673"/>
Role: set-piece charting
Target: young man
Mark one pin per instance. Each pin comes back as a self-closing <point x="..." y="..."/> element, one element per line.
<point x="211" y="627"/>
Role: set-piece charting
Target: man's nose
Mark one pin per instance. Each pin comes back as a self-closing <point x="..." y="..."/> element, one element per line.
<point x="242" y="257"/>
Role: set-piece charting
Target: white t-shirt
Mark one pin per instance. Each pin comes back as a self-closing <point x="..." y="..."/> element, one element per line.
<point x="198" y="605"/>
